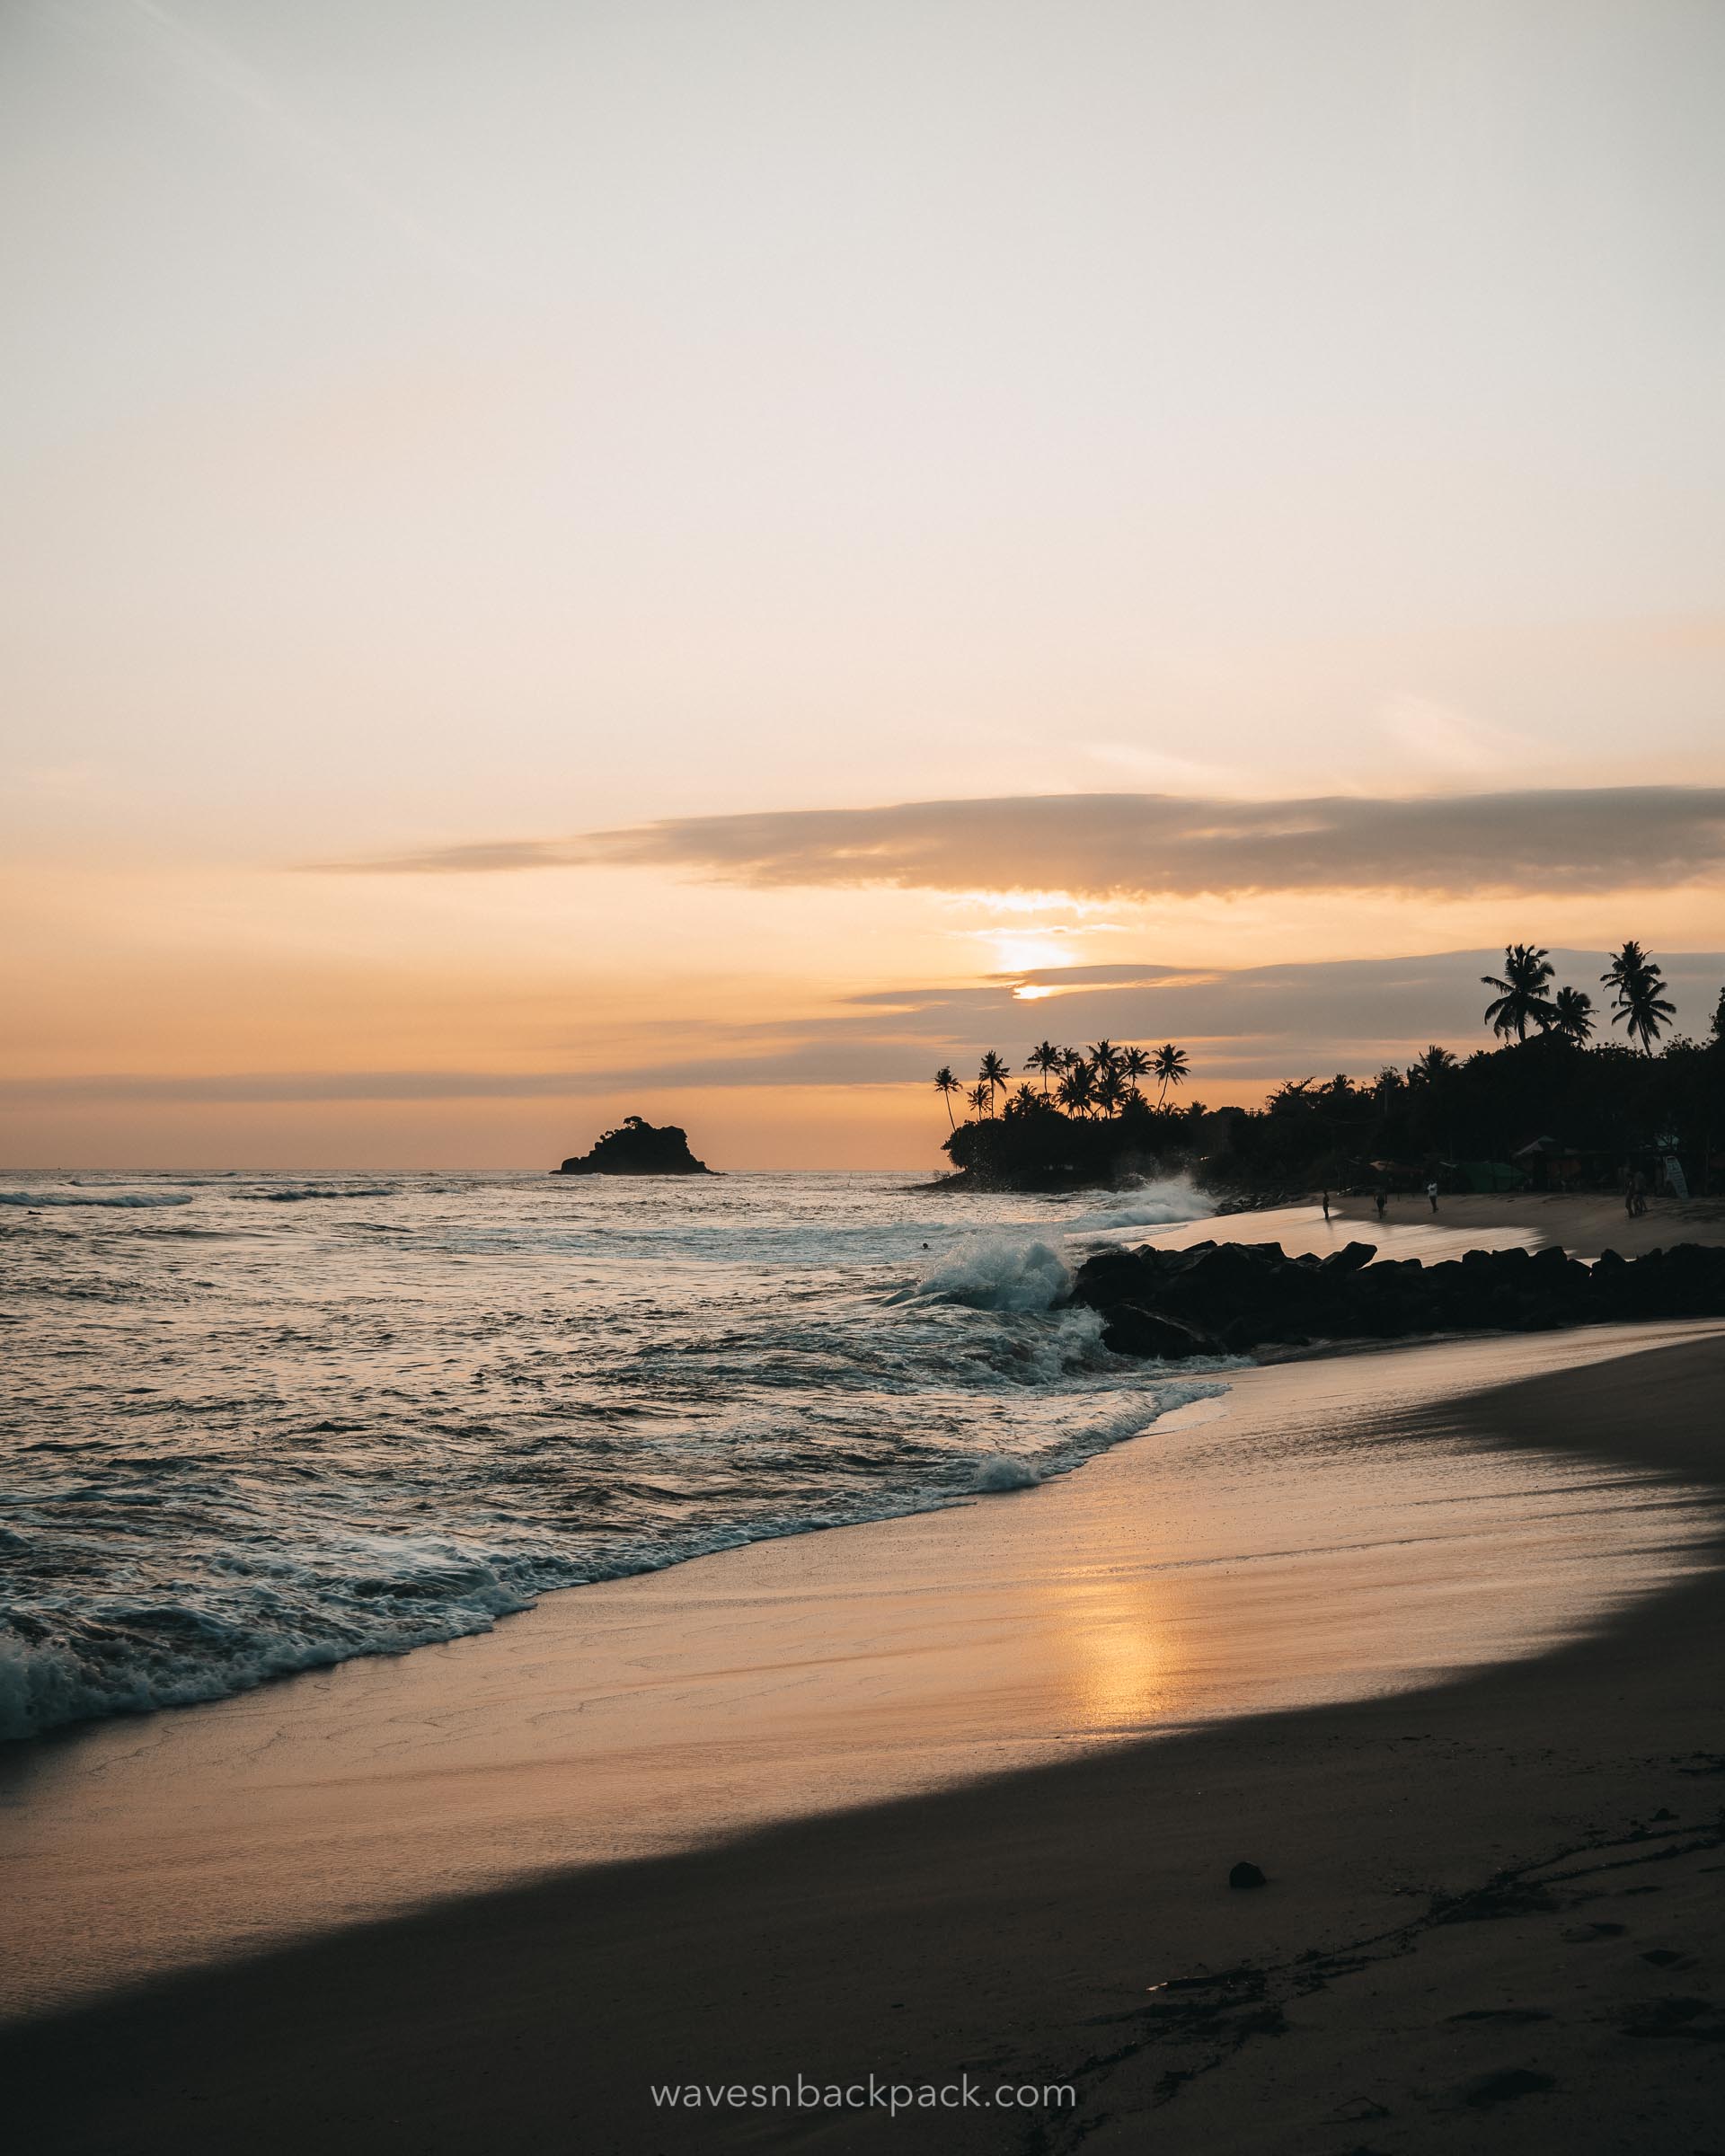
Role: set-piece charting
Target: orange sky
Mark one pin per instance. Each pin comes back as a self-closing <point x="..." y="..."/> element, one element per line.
<point x="489" y="429"/>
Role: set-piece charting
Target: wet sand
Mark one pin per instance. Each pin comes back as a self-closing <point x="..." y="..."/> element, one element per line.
<point x="1489" y="1924"/>
<point x="1275" y="1547"/>
<point x="1584" y="1226"/>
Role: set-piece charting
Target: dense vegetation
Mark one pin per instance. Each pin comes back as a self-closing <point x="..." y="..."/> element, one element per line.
<point x="1090" y="1121"/>
<point x="1549" y="1106"/>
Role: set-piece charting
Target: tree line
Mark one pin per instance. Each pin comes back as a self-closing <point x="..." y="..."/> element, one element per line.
<point x="1101" y="1079"/>
<point x="1548" y="1096"/>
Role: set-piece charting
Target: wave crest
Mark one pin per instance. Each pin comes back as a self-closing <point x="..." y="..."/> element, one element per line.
<point x="1160" y="1205"/>
<point x="997" y="1272"/>
<point x="64" y="1198"/>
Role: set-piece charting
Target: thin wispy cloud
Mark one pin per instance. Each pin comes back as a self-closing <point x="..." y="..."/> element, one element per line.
<point x="1151" y="845"/>
<point x="1451" y="741"/>
<point x="223" y="77"/>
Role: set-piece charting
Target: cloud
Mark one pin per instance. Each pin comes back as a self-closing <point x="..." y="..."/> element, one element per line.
<point x="844" y="1060"/>
<point x="1150" y="846"/>
<point x="1245" y="1029"/>
<point x="1262" y="1021"/>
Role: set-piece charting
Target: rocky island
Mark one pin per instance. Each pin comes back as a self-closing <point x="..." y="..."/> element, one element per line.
<point x="638" y="1148"/>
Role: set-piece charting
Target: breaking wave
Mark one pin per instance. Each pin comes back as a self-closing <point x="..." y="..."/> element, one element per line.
<point x="355" y="1444"/>
<point x="125" y="1198"/>
<point x="296" y="1193"/>
<point x="272" y="1611"/>
<point x="999" y="1472"/>
<point x="998" y="1272"/>
<point x="1161" y="1205"/>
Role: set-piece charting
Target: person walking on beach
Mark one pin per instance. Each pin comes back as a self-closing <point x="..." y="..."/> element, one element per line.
<point x="1431" y="1192"/>
<point x="1326" y="1205"/>
<point x="1382" y="1200"/>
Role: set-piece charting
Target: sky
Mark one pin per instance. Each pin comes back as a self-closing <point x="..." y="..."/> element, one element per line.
<point x="564" y="559"/>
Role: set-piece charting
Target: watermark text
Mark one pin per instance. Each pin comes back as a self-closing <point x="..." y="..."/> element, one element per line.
<point x="870" y="2095"/>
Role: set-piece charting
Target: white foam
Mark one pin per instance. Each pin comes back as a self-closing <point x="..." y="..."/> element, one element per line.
<point x="746" y="1384"/>
<point x="1000" y="1472"/>
<point x="1158" y="1204"/>
<point x="997" y="1272"/>
<point x="211" y="1653"/>
<point x="61" y="1197"/>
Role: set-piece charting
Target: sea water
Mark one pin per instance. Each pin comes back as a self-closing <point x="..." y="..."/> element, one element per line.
<point x="262" y="1423"/>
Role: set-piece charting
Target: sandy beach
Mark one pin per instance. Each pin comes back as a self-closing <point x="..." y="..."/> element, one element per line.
<point x="1582" y="1226"/>
<point x="1067" y="1922"/>
<point x="1284" y="1543"/>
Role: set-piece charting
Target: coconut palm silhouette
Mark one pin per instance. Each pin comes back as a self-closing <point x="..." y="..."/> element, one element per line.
<point x="1076" y="1090"/>
<point x="994" y="1073"/>
<point x="1572" y="1014"/>
<point x="946" y="1085"/>
<point x="1171" y="1068"/>
<point x="1135" y="1065"/>
<point x="1047" y="1059"/>
<point x="1521" y="999"/>
<point x="1635" y="982"/>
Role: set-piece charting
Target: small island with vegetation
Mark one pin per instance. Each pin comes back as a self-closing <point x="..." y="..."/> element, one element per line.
<point x="638" y="1148"/>
<point x="1548" y="1108"/>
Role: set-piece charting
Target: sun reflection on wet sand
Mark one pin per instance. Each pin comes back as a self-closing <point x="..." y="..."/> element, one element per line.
<point x="1285" y="1546"/>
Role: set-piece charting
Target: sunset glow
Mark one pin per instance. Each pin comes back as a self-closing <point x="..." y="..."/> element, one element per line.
<point x="457" y="582"/>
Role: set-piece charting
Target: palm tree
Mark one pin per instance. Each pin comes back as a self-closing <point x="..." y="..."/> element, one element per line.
<point x="1427" y="1074"/>
<point x="1076" y="1090"/>
<point x="1521" y="993"/>
<point x="1104" y="1057"/>
<point x="1135" y="1065"/>
<point x="1110" y="1090"/>
<point x="1572" y="1014"/>
<point x="1635" y="982"/>
<point x="1046" y="1058"/>
<point x="993" y="1073"/>
<point x="980" y="1099"/>
<point x="946" y="1085"/>
<point x="1169" y="1067"/>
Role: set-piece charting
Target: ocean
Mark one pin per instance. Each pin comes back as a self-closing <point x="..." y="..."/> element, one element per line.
<point x="262" y="1423"/>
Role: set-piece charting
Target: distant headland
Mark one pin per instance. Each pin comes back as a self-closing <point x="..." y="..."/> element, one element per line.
<point x="638" y="1148"/>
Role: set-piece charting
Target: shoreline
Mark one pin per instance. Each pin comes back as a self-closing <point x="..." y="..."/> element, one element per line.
<point x="1018" y="1918"/>
<point x="1295" y="1554"/>
<point x="1300" y="1229"/>
<point x="1583" y="1224"/>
